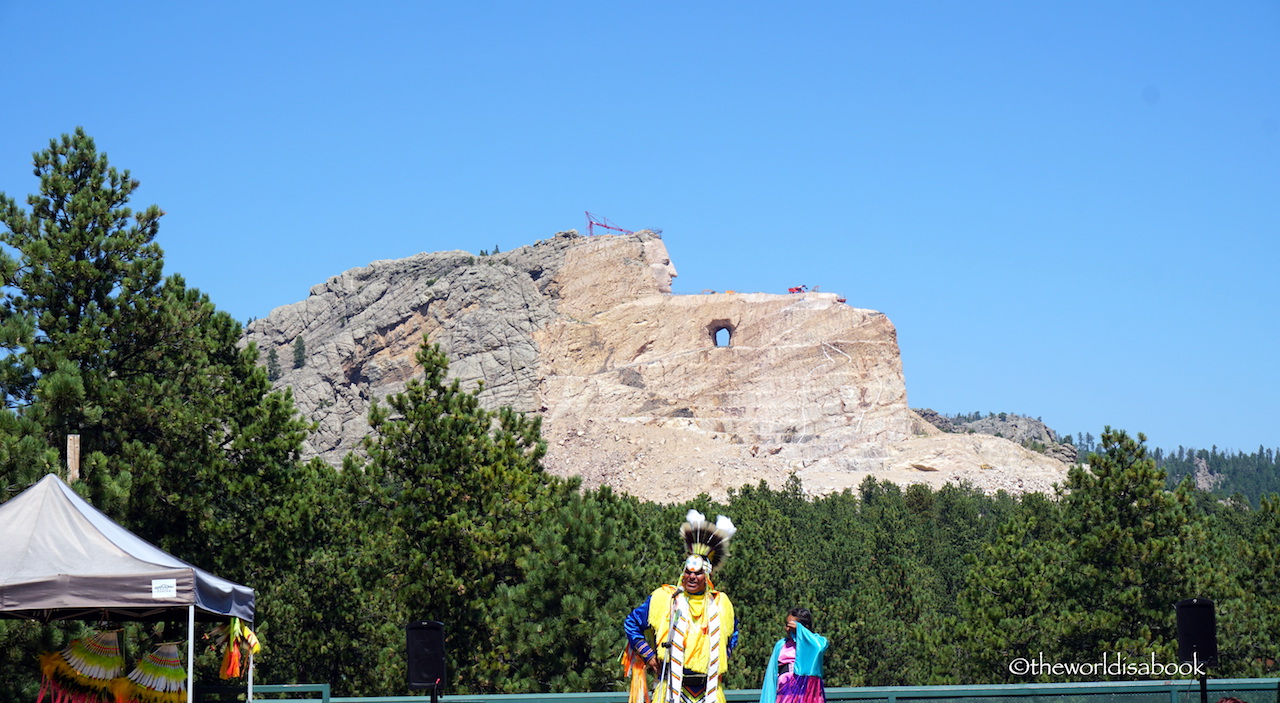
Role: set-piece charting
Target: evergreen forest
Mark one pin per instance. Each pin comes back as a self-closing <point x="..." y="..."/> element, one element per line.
<point x="1236" y="474"/>
<point x="1226" y="473"/>
<point x="448" y="515"/>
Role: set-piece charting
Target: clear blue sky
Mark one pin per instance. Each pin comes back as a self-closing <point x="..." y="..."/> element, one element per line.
<point x="1069" y="209"/>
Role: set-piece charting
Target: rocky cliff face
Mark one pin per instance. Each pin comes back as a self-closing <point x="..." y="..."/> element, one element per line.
<point x="633" y="387"/>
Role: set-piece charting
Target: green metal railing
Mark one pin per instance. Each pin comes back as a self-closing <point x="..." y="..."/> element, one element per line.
<point x="208" y="694"/>
<point x="1175" y="691"/>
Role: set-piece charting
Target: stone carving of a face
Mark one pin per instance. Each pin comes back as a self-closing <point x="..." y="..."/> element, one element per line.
<point x="655" y="252"/>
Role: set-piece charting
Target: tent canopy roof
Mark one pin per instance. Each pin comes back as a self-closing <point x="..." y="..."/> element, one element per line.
<point x="63" y="559"/>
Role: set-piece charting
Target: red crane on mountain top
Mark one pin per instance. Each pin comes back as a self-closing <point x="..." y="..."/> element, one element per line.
<point x="594" y="221"/>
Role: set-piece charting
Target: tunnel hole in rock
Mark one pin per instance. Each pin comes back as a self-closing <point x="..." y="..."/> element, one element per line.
<point x="721" y="332"/>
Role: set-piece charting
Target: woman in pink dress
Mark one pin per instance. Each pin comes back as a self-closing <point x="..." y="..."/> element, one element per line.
<point x="795" y="667"/>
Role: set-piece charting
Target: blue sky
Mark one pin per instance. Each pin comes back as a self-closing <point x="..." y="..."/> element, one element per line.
<point x="1068" y="209"/>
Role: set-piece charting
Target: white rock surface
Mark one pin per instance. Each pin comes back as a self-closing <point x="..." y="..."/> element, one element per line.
<point x="632" y="388"/>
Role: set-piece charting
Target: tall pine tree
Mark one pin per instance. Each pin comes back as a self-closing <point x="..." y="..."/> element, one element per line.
<point x="182" y="439"/>
<point x="464" y="495"/>
<point x="1097" y="571"/>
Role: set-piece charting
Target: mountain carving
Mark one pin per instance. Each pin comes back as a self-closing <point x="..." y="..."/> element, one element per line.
<point x="659" y="395"/>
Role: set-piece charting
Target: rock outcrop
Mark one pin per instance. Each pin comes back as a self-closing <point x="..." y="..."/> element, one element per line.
<point x="1205" y="479"/>
<point x="633" y="386"/>
<point x="1028" y="431"/>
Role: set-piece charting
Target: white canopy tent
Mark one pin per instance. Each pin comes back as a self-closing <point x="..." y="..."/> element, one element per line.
<point x="63" y="559"/>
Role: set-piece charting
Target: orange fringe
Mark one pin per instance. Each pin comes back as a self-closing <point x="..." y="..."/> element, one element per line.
<point x="633" y="665"/>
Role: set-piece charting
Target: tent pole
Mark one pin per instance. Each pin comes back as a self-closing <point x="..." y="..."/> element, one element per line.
<point x="191" y="653"/>
<point x="248" y="691"/>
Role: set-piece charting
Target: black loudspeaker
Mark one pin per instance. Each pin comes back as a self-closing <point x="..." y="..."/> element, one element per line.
<point x="425" y="647"/>
<point x="1197" y="631"/>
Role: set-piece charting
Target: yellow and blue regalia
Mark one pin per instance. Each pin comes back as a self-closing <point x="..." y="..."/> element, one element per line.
<point x="687" y="637"/>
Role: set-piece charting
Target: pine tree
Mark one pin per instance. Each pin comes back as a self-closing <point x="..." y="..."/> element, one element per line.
<point x="561" y="620"/>
<point x="299" y="353"/>
<point x="1009" y="598"/>
<point x="1131" y="542"/>
<point x="463" y="493"/>
<point x="1096" y="571"/>
<point x="336" y="616"/>
<point x="782" y="568"/>
<point x="898" y="590"/>
<point x="1247" y="613"/>
<point x="181" y="439"/>
<point x="273" y="365"/>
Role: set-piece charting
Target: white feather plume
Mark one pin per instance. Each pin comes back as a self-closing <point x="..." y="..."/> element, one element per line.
<point x="725" y="525"/>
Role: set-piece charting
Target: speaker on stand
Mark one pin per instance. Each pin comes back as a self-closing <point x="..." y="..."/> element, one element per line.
<point x="1198" y="637"/>
<point x="424" y="645"/>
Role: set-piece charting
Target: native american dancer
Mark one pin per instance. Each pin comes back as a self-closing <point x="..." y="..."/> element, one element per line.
<point x="692" y="625"/>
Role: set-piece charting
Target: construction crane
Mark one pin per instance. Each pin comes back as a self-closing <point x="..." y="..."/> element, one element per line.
<point x="594" y="221"/>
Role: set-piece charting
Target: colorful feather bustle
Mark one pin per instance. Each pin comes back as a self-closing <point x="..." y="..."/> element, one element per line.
<point x="83" y="671"/>
<point x="158" y="677"/>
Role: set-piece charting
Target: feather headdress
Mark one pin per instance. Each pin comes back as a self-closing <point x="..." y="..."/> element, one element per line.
<point x="706" y="544"/>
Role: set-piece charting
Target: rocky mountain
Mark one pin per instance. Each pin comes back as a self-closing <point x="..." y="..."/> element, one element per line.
<point x="659" y="395"/>
<point x="1028" y="431"/>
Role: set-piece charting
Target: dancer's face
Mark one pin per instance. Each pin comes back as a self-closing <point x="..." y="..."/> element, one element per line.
<point x="694" y="581"/>
<point x="791" y="626"/>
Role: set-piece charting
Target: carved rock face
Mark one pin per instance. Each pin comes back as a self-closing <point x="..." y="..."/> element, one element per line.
<point x="663" y="396"/>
